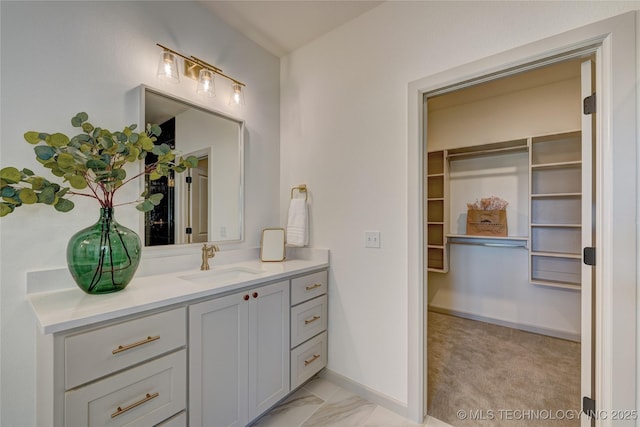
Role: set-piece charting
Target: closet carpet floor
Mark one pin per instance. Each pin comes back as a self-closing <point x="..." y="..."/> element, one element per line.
<point x="481" y="374"/>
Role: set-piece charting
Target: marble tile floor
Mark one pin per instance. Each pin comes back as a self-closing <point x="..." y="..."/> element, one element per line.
<point x="320" y="403"/>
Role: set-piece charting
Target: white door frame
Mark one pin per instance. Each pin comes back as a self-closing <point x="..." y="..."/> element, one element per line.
<point x="616" y="209"/>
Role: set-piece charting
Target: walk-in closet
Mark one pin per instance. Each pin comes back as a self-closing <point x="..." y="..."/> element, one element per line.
<point x="505" y="292"/>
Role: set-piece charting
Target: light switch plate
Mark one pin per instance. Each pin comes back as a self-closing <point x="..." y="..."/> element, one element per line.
<point x="371" y="239"/>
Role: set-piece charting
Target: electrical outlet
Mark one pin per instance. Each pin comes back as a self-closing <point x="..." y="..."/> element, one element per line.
<point x="371" y="239"/>
<point x="223" y="231"/>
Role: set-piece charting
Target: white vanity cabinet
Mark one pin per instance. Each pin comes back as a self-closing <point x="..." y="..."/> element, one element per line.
<point x="308" y="326"/>
<point x="131" y="372"/>
<point x="168" y="353"/>
<point x="238" y="355"/>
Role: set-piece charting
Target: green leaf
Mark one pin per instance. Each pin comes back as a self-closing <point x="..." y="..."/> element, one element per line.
<point x="58" y="140"/>
<point x="77" y="181"/>
<point x="133" y="138"/>
<point x="107" y="141"/>
<point x="154" y="175"/>
<point x="27" y="172"/>
<point x="10" y="174"/>
<point x="27" y="196"/>
<point x="47" y="196"/>
<point x="64" y="205"/>
<point x="5" y="209"/>
<point x="87" y="127"/>
<point x="161" y="149"/>
<point x="78" y="119"/>
<point x="36" y="182"/>
<point x="96" y="164"/>
<point x="44" y="152"/>
<point x="193" y="161"/>
<point x="146" y="142"/>
<point x="145" y="206"/>
<point x="119" y="174"/>
<point x="155" y="198"/>
<point x="32" y="137"/>
<point x="65" y="160"/>
<point x="8" y="192"/>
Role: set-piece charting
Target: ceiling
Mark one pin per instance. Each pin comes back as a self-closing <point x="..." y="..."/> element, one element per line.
<point x="283" y="26"/>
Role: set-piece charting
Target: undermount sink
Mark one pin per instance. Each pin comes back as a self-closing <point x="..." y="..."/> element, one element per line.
<point x="228" y="273"/>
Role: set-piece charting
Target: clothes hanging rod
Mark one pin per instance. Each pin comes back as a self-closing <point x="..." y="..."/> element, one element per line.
<point x="455" y="156"/>
<point x="493" y="245"/>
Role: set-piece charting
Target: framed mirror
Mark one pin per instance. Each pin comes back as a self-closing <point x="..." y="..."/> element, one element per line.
<point x="272" y="244"/>
<point x="203" y="204"/>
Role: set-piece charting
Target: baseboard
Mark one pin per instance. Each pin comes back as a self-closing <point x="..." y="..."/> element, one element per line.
<point x="556" y="333"/>
<point x="365" y="392"/>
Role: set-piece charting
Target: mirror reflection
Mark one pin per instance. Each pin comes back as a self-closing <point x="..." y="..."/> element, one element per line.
<point x="204" y="204"/>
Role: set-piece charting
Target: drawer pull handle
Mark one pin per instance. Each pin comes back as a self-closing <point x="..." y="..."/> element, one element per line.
<point x="313" y="359"/>
<point x="145" y="399"/>
<point x="312" y="287"/>
<point x="313" y="319"/>
<point x="147" y="340"/>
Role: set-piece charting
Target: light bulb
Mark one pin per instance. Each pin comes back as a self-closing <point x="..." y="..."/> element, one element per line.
<point x="168" y="67"/>
<point x="206" y="84"/>
<point x="237" y="95"/>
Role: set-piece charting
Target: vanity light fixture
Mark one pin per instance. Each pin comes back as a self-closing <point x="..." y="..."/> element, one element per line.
<point x="199" y="70"/>
<point x="237" y="95"/>
<point x="168" y="67"/>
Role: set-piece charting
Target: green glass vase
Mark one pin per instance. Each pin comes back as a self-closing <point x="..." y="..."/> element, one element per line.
<point x="104" y="257"/>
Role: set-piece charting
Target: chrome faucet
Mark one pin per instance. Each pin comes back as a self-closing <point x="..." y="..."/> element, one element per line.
<point x="208" y="252"/>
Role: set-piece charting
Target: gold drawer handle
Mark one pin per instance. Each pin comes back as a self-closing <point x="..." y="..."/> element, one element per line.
<point x="313" y="359"/>
<point x="313" y="319"/>
<point x="122" y="348"/>
<point x="312" y="287"/>
<point x="147" y="398"/>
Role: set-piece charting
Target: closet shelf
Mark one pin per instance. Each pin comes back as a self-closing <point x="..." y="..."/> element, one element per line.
<point x="573" y="164"/>
<point x="554" y="195"/>
<point x="557" y="255"/>
<point x="435" y="199"/>
<point x="507" y="147"/>
<point x="435" y="222"/>
<point x="435" y="175"/>
<point x="557" y="225"/>
<point x="490" y="241"/>
<point x="552" y="284"/>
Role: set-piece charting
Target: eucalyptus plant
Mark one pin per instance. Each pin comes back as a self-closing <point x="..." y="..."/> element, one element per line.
<point x="92" y="161"/>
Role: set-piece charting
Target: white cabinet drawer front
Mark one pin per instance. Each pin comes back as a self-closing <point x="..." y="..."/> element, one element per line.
<point x="307" y="287"/>
<point x="308" y="359"/>
<point x="308" y="319"/>
<point x="141" y="396"/>
<point x="94" y="354"/>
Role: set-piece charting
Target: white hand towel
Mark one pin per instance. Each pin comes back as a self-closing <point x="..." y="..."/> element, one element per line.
<point x="298" y="223"/>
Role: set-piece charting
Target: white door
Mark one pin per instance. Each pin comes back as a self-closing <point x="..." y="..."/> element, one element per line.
<point x="268" y="347"/>
<point x="588" y="232"/>
<point x="200" y="202"/>
<point x="218" y="353"/>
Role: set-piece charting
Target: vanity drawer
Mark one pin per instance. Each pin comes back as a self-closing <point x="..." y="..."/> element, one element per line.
<point x="141" y="396"/>
<point x="307" y="287"/>
<point x="308" y="319"/>
<point x="179" y="420"/>
<point x="308" y="359"/>
<point x="96" y="353"/>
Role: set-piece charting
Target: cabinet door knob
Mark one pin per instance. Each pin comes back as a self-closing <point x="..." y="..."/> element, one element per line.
<point x="255" y="295"/>
<point x="246" y="297"/>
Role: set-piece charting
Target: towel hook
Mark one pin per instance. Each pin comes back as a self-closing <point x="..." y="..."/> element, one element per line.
<point x="302" y="188"/>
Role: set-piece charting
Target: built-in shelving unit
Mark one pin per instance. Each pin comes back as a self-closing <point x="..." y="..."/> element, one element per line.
<point x="556" y="210"/>
<point x="437" y="211"/>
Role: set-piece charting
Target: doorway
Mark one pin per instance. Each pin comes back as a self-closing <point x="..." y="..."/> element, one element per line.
<point x="518" y="139"/>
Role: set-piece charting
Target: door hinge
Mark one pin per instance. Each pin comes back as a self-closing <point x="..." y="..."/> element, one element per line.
<point x="188" y="179"/>
<point x="589" y="255"/>
<point x="189" y="230"/>
<point x="589" y="104"/>
<point x="588" y="406"/>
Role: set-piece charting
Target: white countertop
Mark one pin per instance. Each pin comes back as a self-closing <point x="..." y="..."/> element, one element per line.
<point x="63" y="309"/>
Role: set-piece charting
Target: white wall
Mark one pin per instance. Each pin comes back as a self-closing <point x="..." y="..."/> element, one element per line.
<point x="59" y="58"/>
<point x="344" y="133"/>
